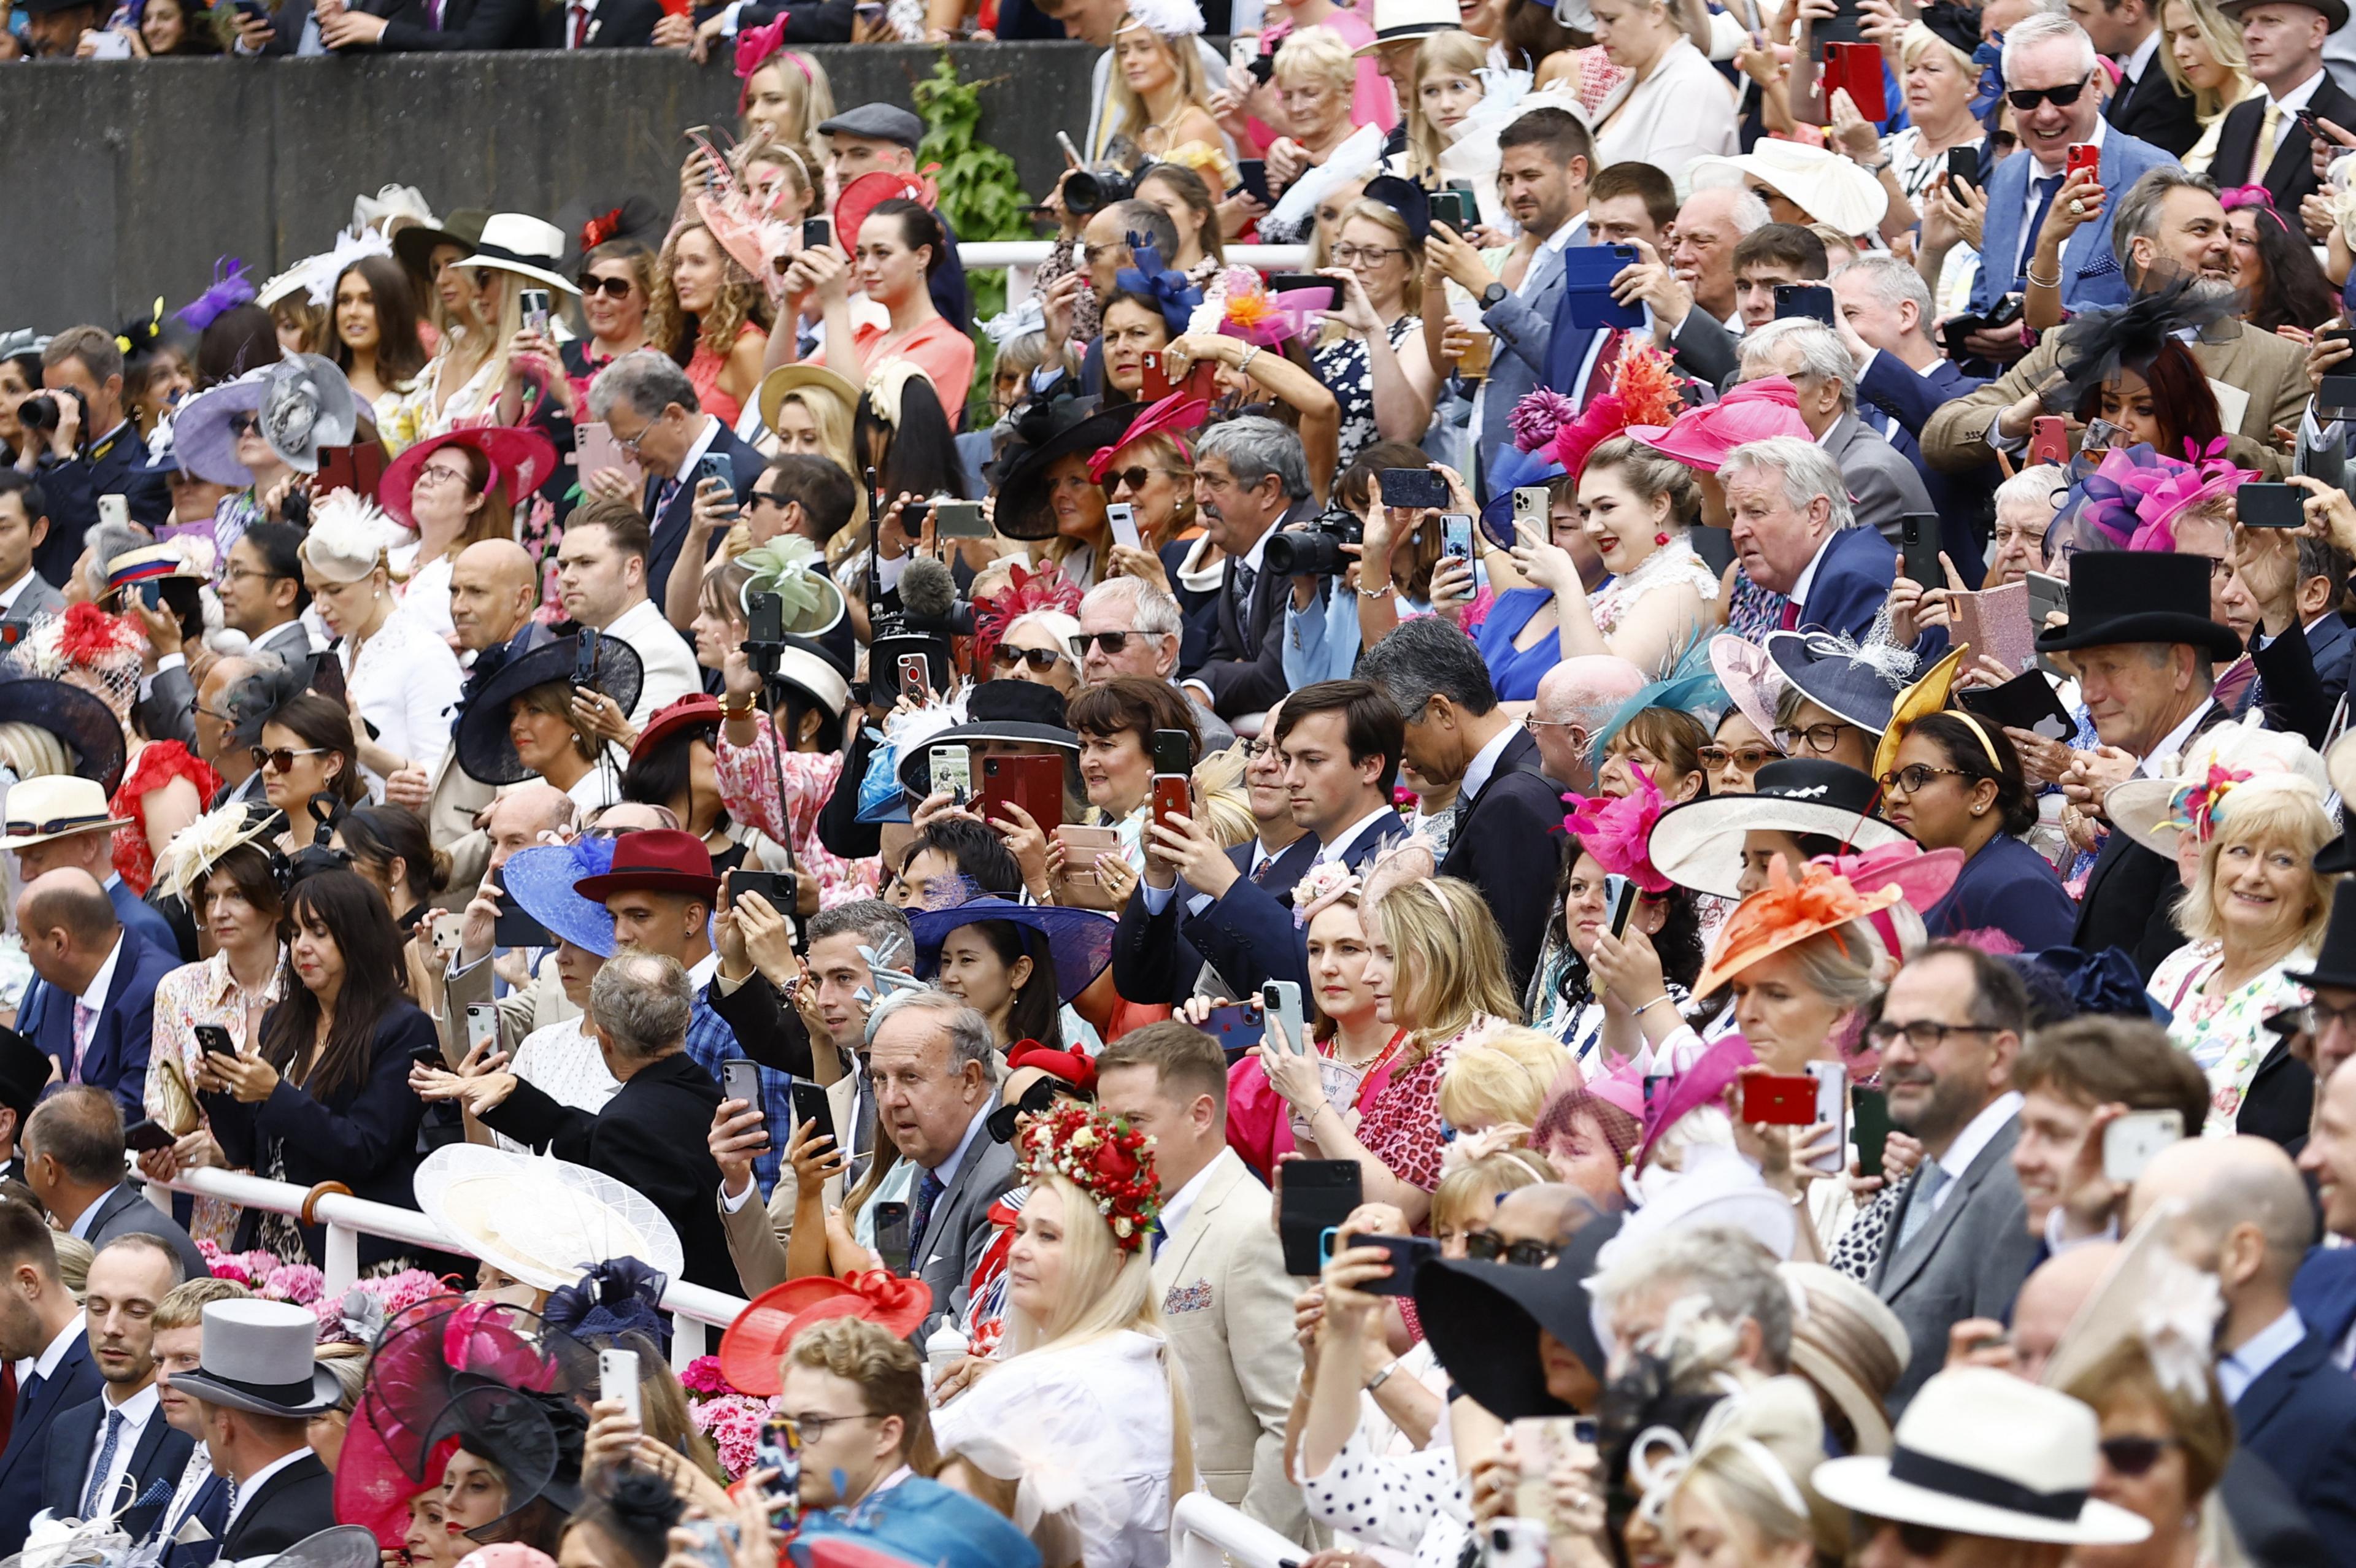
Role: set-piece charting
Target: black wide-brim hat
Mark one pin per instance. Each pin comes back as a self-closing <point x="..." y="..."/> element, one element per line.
<point x="485" y="750"/>
<point x="2119" y="596"/>
<point x="2335" y="961"/>
<point x="1482" y="1320"/>
<point x="2338" y="856"/>
<point x="73" y="715"/>
<point x="1019" y="712"/>
<point x="1046" y="432"/>
<point x="23" y="1073"/>
<point x="413" y="245"/>
<point x="1698" y="844"/>
<point x="1827" y="673"/>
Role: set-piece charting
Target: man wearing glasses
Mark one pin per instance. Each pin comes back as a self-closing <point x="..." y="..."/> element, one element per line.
<point x="1128" y="626"/>
<point x="1959" y="1245"/>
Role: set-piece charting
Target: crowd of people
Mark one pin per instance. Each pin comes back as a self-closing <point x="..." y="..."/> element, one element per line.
<point x="1650" y="867"/>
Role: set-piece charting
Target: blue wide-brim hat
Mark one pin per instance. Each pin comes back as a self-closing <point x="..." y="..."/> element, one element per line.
<point x="916" y="1524"/>
<point x="542" y="879"/>
<point x="1829" y="674"/>
<point x="1079" y="940"/>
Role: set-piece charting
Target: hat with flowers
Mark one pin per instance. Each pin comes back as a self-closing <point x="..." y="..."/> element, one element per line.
<point x="1102" y="1155"/>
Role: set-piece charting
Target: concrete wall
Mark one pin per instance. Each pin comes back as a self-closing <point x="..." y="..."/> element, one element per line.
<point x="121" y="181"/>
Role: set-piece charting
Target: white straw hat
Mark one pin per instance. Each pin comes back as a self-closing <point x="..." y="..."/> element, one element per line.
<point x="544" y="1221"/>
<point x="1825" y="186"/>
<point x="520" y="243"/>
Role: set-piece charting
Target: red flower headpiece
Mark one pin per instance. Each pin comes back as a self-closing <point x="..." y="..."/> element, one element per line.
<point x="1025" y="591"/>
<point x="1643" y="392"/>
<point x="1104" y="1158"/>
<point x="91" y="639"/>
<point x="1617" y="832"/>
<point x="1076" y="1068"/>
<point x="600" y="229"/>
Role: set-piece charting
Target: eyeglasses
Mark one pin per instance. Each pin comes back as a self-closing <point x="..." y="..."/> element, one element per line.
<point x="1091" y="255"/>
<point x="630" y="443"/>
<point x="1922" y="1034"/>
<point x="2134" y="1455"/>
<point x="1372" y="255"/>
<point x="809" y="1429"/>
<point x="1134" y="478"/>
<point x="239" y="573"/>
<point x="281" y="759"/>
<point x="431" y="474"/>
<point x="1920" y="1541"/>
<point x="1488" y="1247"/>
<point x="2315" y="1018"/>
<point x="1915" y="777"/>
<point x="2220" y="567"/>
<point x="244" y="423"/>
<point x="1532" y="721"/>
<point x="1750" y="759"/>
<point x="2028" y="98"/>
<point x="1821" y="738"/>
<point x="1040" y="659"/>
<point x="613" y="288"/>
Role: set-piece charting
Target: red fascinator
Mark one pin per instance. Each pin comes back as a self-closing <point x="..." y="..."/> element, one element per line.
<point x="1074" y="1068"/>
<point x="1025" y="591"/>
<point x="870" y="191"/>
<point x="752" y="1351"/>
<point x="1104" y="1158"/>
<point x="1643" y="392"/>
<point x="1171" y="414"/>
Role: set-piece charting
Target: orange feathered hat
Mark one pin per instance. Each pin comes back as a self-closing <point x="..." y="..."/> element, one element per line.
<point x="1784" y="913"/>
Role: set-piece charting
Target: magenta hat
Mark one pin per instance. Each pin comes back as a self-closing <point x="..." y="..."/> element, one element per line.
<point x="1703" y="1083"/>
<point x="1701" y="438"/>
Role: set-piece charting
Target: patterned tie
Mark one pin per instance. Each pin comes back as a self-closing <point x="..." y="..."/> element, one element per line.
<point x="2046" y="186"/>
<point x="1261" y="866"/>
<point x="93" y="1494"/>
<point x="2268" y="124"/>
<point x="1927" y="1182"/>
<point x="1161" y="1234"/>
<point x="1599" y="380"/>
<point x="664" y="495"/>
<point x="929" y="1188"/>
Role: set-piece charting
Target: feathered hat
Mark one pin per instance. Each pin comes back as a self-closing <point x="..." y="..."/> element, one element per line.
<point x="204" y="843"/>
<point x="230" y="288"/>
<point x="1784" y="913"/>
<point x="2098" y="344"/>
<point x="1024" y="593"/>
<point x="1691" y="685"/>
<point x="1618" y="831"/>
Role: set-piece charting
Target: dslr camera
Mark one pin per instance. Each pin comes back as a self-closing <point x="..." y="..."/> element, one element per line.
<point x="38" y="414"/>
<point x="1087" y="191"/>
<point x="1315" y="550"/>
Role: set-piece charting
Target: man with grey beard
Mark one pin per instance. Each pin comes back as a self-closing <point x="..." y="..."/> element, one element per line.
<point x="2168" y="226"/>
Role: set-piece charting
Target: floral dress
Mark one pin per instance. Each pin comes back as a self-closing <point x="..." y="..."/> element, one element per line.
<point x="748" y="787"/>
<point x="204" y="993"/>
<point x="156" y="765"/>
<point x="2225" y="1035"/>
<point x="1345" y="368"/>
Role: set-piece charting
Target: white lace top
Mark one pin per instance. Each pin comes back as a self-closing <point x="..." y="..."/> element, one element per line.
<point x="1672" y="565"/>
<point x="565" y="1064"/>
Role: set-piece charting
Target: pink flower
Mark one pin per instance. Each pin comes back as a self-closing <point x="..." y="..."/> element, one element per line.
<point x="404" y="1290"/>
<point x="298" y="1283"/>
<point x="733" y="1421"/>
<point x="232" y="1268"/>
<point x="703" y="1376"/>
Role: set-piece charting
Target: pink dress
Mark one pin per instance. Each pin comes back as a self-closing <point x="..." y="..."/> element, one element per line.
<point x="748" y="788"/>
<point x="1259" y="1123"/>
<point x="704" y="369"/>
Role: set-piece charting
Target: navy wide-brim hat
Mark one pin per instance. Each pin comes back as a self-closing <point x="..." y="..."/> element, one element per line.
<point x="1483" y="1320"/>
<point x="77" y="717"/>
<point x="2119" y="596"/>
<point x="1827" y="672"/>
<point x="1018" y="712"/>
<point x="1079" y="940"/>
<point x="914" y="1524"/>
<point x="485" y="752"/>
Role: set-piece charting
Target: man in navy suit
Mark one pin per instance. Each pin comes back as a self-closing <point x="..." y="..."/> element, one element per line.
<point x="2146" y="104"/>
<point x="1249" y="472"/>
<point x="99" y="1015"/>
<point x="2263" y="142"/>
<point x="2241" y="1213"/>
<point x="1796" y="535"/>
<point x="73" y="1162"/>
<point x="198" y="1509"/>
<point x="1338" y="747"/>
<point x="82" y="369"/>
<point x="653" y="411"/>
<point x="2302" y="643"/>
<point x="1508" y="834"/>
<point x="109" y="1454"/>
<point x="39" y="1320"/>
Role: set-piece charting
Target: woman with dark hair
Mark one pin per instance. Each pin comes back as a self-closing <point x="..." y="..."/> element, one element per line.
<point x="391" y="850"/>
<point x="373" y="338"/>
<point x="327" y="1097"/>
<point x="2274" y="267"/>
<point x="1955" y="783"/>
<point x="624" y="1524"/>
<point x="2168" y="403"/>
<point x="1567" y="1000"/>
<point x="898" y="247"/>
<point x="902" y="431"/>
<point x="1006" y="969"/>
<point x="1116" y="721"/>
<point x="617" y="289"/>
<point x="238" y="339"/>
<point x="672" y="765"/>
<point x="306" y="749"/>
<point x="1134" y="326"/>
<point x="1180" y="192"/>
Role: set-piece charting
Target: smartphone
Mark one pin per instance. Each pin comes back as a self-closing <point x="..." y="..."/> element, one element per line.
<point x="1173" y="783"/>
<point x="1035" y="783"/>
<point x="1807" y="301"/>
<point x="914" y="678"/>
<point x="716" y="465"/>
<point x="514" y="928"/>
<point x="1456" y="536"/>
<point x="536" y="307"/>
<point x="594" y="450"/>
<point x="2335" y="399"/>
<point x="1964" y="165"/>
<point x="811" y="1104"/>
<point x="1918" y="537"/>
<point x="2024" y="703"/>
<point x="146" y="1136"/>
<point x="2259" y="505"/>
<point x="1236" y="1026"/>
<point x="114" y="509"/>
<point x="1620" y="897"/>
<point x="1533" y="515"/>
<point x="2049" y="441"/>
<point x="776" y="889"/>
<point x="2047" y="593"/>
<point x="1413" y="487"/>
<point x="2082" y="156"/>
<point x="1173" y="754"/>
<point x="817" y="233"/>
<point x="1541" y="1444"/>
<point x="740" y="1080"/>
<point x="1279" y="1004"/>
<point x="1280" y="282"/>
<point x="584" y="659"/>
<point x="1408" y="1254"/>
<point x="958" y="520"/>
<point x="776" y="1450"/>
<point x="1858" y="68"/>
<point x="1832" y="1110"/>
<point x="1780" y="1100"/>
<point x="618" y="1379"/>
<point x="893" y="1241"/>
<point x="952" y="769"/>
<point x="765" y="618"/>
<point x="1315" y="1196"/>
<point x="1244" y="51"/>
<point x="1263" y="69"/>
<point x="2101" y="435"/>
<point x="1121" y="517"/>
<point x="215" y="1040"/>
<point x="2130" y="1143"/>
<point x="336" y="472"/>
<point x="1869" y="1116"/>
<point x="1153" y="383"/>
<point x="447" y="925"/>
<point x="482" y="1025"/>
<point x="1251" y="173"/>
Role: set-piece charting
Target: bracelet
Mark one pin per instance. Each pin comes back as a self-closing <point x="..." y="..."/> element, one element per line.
<point x="1656" y="1001"/>
<point x="1244" y="365"/>
<point x="744" y="708"/>
<point x="2036" y="282"/>
<point x="1377" y="593"/>
<point x="1881" y="167"/>
<point x="1381" y="1377"/>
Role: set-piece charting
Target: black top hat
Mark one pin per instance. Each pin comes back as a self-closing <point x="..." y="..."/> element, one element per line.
<point x="1830" y="673"/>
<point x="2335" y="961"/>
<point x="1483" y="1320"/>
<point x="484" y="750"/>
<point x="414" y="244"/>
<point x="2338" y="856"/>
<point x="2140" y="596"/>
<point x="23" y="1073"/>
<point x="1046" y="430"/>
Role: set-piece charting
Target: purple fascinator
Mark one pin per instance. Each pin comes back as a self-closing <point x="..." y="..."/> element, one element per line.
<point x="230" y="289"/>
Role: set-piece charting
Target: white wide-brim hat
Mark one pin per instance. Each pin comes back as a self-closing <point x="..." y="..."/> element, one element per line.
<point x="544" y="1221"/>
<point x="56" y="806"/>
<point x="520" y="243"/>
<point x="2155" y="812"/>
<point x="1398" y="19"/>
<point x="1983" y="1453"/>
<point x="1825" y="186"/>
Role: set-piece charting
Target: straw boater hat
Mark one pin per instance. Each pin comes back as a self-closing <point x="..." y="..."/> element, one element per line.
<point x="55" y="807"/>
<point x="542" y="1220"/>
<point x="258" y="1357"/>
<point x="789" y="378"/>
<point x="1849" y="1344"/>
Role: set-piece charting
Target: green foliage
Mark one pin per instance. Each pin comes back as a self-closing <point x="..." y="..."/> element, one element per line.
<point x="982" y="192"/>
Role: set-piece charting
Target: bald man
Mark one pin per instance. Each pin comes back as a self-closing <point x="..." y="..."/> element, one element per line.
<point x="215" y="737"/>
<point x="79" y="947"/>
<point x="2241" y="1213"/>
<point x="1575" y="698"/>
<point x="515" y="821"/>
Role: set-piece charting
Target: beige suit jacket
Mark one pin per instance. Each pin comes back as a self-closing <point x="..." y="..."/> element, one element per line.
<point x="450" y="813"/>
<point x="2272" y="369"/>
<point x="1226" y="1306"/>
<point x="756" y="1232"/>
<point x="521" y="1012"/>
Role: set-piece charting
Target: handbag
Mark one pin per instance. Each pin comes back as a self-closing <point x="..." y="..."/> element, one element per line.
<point x="175" y="1104"/>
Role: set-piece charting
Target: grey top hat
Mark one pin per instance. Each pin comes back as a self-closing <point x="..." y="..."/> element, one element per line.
<point x="259" y="1356"/>
<point x="339" y="1546"/>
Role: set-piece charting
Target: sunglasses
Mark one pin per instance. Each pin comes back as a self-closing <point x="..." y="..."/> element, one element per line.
<point x="2026" y="98"/>
<point x="1488" y="1247"/>
<point x="1750" y="759"/>
<point x="2134" y="1455"/>
<point x="1040" y="659"/>
<point x="243" y="423"/>
<point x="1135" y="478"/>
<point x="281" y="759"/>
<point x="1111" y="643"/>
<point x="614" y="288"/>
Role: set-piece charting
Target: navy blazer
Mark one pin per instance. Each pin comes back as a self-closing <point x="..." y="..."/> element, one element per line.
<point x="2324" y="1291"/>
<point x="2299" y="1417"/>
<point x="160" y="1456"/>
<point x="299" y="1501"/>
<point x="1851" y="584"/>
<point x="24" y="1463"/>
<point x="1151" y="961"/>
<point x="116" y="466"/>
<point x="670" y="529"/>
<point x="1248" y="934"/>
<point x="1965" y="501"/>
<point x="209" y="1507"/>
<point x="1245" y="671"/>
<point x="116" y="1059"/>
<point x="1508" y="844"/>
<point x="2289" y="177"/>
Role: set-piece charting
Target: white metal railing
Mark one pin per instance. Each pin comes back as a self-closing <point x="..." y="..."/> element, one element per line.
<point x="1205" y="1533"/>
<point x="1031" y="252"/>
<point x="694" y="1310"/>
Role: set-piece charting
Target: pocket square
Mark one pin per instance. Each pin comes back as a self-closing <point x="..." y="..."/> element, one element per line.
<point x="1195" y="1297"/>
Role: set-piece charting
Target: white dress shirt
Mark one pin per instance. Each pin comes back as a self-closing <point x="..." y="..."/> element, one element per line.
<point x="93" y="998"/>
<point x="136" y="1412"/>
<point x="1971" y="1143"/>
<point x="252" y="1485"/>
<point x="1799" y="594"/>
<point x="1484" y="763"/>
<point x="2039" y="169"/>
<point x="1350" y="835"/>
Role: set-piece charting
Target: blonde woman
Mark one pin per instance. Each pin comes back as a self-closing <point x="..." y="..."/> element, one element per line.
<point x="1675" y="107"/>
<point x="401" y="679"/>
<point x="1447" y="88"/>
<point x="1937" y="79"/>
<point x="2202" y="52"/>
<point x="709" y="309"/>
<point x="479" y="374"/>
<point x="1314" y="76"/>
<point x="1158" y="97"/>
<point x="805" y="409"/>
<point x="1743" y="1496"/>
<point x="1080" y="1434"/>
<point x="1497" y="1087"/>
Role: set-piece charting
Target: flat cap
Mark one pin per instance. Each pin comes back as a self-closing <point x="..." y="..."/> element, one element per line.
<point x="879" y="122"/>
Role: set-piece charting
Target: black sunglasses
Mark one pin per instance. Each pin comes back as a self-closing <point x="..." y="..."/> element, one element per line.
<point x="2026" y="98"/>
<point x="244" y="423"/>
<point x="2134" y="1455"/>
<point x="1000" y="1124"/>
<point x="281" y="758"/>
<point x="620" y="288"/>
<point x="1924" y="1540"/>
<point x="1111" y="642"/>
<point x="1134" y="478"/>
<point x="1040" y="659"/>
<point x="1488" y="1247"/>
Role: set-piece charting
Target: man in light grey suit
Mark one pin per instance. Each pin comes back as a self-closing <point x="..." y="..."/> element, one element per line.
<point x="935" y="1080"/>
<point x="23" y="524"/>
<point x="1959" y="1245"/>
<point x="1226" y="1302"/>
<point x="1543" y="160"/>
<point x="1882" y="484"/>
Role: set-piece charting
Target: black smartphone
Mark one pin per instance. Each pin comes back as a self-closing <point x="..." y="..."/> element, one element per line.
<point x="1810" y="301"/>
<point x="1964" y="165"/>
<point x="513" y="927"/>
<point x="811" y="1104"/>
<point x="1412" y="488"/>
<point x="817" y="232"/>
<point x="584" y="659"/>
<point x="1173" y="755"/>
<point x="2005" y="312"/>
<point x="1280" y="282"/>
<point x="214" y="1041"/>
<point x="2270" y="507"/>
<point x="146" y="1136"/>
<point x="740" y="1079"/>
<point x="765" y="618"/>
<point x="1318" y="1194"/>
<point x="1408" y="1254"/>
<point x="777" y="888"/>
<point x="1868" y="1121"/>
<point x="1624" y="904"/>
<point x="892" y="1238"/>
<point x="1454" y="207"/>
<point x="2024" y="703"/>
<point x="1251" y="178"/>
<point x="2335" y="399"/>
<point x="1918" y="537"/>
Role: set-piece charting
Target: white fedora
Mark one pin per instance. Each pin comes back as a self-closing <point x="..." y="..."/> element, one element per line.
<point x="1825" y="186"/>
<point x="55" y="807"/>
<point x="1396" y="19"/>
<point x="520" y="243"/>
<point x="1983" y="1453"/>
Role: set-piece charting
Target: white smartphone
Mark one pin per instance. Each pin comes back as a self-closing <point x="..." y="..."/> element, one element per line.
<point x="1533" y="515"/>
<point x="447" y="927"/>
<point x="111" y="45"/>
<point x="115" y="509"/>
<point x="1241" y="51"/>
<point x="618" y="1379"/>
<point x="482" y="1025"/>
<point x="1279" y="1004"/>
<point x="1121" y="517"/>
<point x="1456" y="535"/>
<point x="1832" y="1108"/>
<point x="594" y="448"/>
<point x="2133" y="1141"/>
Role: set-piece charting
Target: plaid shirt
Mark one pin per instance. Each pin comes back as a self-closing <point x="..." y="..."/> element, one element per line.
<point x="711" y="1042"/>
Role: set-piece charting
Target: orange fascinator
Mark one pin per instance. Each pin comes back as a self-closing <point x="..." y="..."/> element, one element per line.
<point x="1784" y="913"/>
<point x="752" y="1351"/>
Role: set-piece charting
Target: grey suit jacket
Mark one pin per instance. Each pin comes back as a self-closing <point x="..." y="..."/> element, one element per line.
<point x="126" y="1211"/>
<point x="945" y="1256"/>
<point x="1523" y="324"/>
<point x="1967" y="1262"/>
<point x="36" y="598"/>
<point x="168" y="712"/>
<point x="1882" y="484"/>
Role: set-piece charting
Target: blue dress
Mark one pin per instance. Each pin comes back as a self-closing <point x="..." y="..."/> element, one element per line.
<point x="2006" y="887"/>
<point x="1515" y="672"/>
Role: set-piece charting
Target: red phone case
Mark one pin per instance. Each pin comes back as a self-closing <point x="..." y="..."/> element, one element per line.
<point x="2049" y="440"/>
<point x="1788" y="1102"/>
<point x="1172" y="796"/>
<point x="1035" y="783"/>
<point x="2083" y="156"/>
<point x="1858" y="68"/>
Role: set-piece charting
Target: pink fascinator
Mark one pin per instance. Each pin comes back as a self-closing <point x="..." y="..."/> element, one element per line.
<point x="1644" y="395"/>
<point x="1411" y="859"/>
<point x="1327" y="884"/>
<point x="2232" y="198"/>
<point x="1616" y="832"/>
<point x="1702" y="1084"/>
<point x="1921" y="877"/>
<point x="1701" y="438"/>
<point x="755" y="45"/>
<point x="1256" y="315"/>
<point x="1174" y="413"/>
<point x="1751" y="678"/>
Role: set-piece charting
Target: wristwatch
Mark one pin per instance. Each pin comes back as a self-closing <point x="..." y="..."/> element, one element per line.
<point x="1493" y="295"/>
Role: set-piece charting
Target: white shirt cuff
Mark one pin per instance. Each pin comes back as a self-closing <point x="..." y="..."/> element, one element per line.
<point x="1156" y="898"/>
<point x="2000" y="442"/>
<point x="731" y="1203"/>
